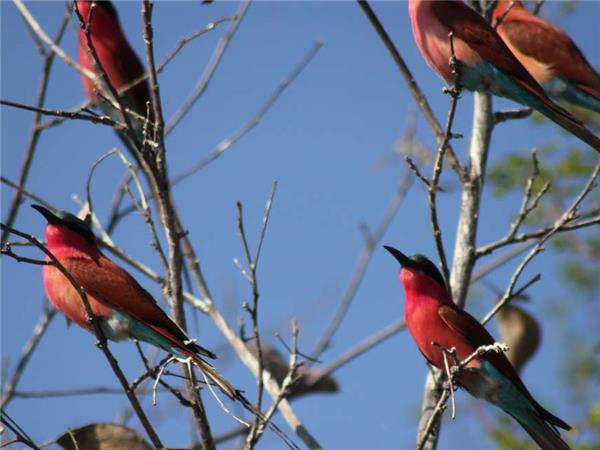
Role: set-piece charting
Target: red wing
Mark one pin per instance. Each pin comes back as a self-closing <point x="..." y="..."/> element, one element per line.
<point x="114" y="286"/>
<point x="553" y="47"/>
<point x="473" y="332"/>
<point x="129" y="67"/>
<point x="467" y="25"/>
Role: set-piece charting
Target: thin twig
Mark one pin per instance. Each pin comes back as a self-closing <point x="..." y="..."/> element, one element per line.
<point x="252" y="263"/>
<point x="414" y="89"/>
<point x="26" y="193"/>
<point x="453" y="373"/>
<point x="158" y="125"/>
<point x="454" y="92"/>
<point x="511" y="114"/>
<point x="360" y="349"/>
<point x="158" y="179"/>
<point x="210" y="68"/>
<point x="524" y="237"/>
<point x="500" y="261"/>
<point x="226" y="143"/>
<point x="566" y="217"/>
<point x="411" y="164"/>
<point x="465" y="241"/>
<point x="171" y="55"/>
<point x="500" y="19"/>
<point x="98" y="390"/>
<point x="528" y="204"/>
<point x="37" y="29"/>
<point x="440" y="407"/>
<point x="20" y="434"/>
<point x="88" y="184"/>
<point x="89" y="117"/>
<point x="537" y="6"/>
<point x="122" y="90"/>
<point x="5" y="249"/>
<point x="38" y="332"/>
<point x="286" y="385"/>
<point x="369" y="244"/>
<point x="144" y="209"/>
<point x="101" y="79"/>
<point x="48" y="57"/>
<point x="451" y="383"/>
<point x="156" y="373"/>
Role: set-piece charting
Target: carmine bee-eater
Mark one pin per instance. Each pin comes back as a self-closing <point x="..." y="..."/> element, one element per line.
<point x="484" y="62"/>
<point x="121" y="64"/>
<point x="125" y="310"/>
<point x="549" y="54"/>
<point x="432" y="316"/>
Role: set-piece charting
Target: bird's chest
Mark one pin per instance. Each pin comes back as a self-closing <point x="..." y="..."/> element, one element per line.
<point x="430" y="333"/>
<point x="65" y="298"/>
<point x="435" y="47"/>
<point x="434" y="42"/>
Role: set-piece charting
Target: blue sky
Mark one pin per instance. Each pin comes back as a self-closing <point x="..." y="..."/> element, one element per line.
<point x="329" y="141"/>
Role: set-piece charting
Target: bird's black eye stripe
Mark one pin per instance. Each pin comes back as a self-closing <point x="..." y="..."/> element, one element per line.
<point x="110" y="8"/>
<point x="76" y="225"/>
<point x="427" y="267"/>
<point x="434" y="273"/>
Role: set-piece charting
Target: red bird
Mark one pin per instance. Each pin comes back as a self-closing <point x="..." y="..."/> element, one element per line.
<point x="124" y="308"/>
<point x="431" y="316"/>
<point x="121" y="64"/>
<point x="549" y="54"/>
<point x="485" y="63"/>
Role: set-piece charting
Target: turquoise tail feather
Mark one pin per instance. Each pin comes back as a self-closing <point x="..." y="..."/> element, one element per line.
<point x="567" y="91"/>
<point x="488" y="78"/>
<point x="120" y="326"/>
<point x="540" y="424"/>
<point x="546" y="437"/>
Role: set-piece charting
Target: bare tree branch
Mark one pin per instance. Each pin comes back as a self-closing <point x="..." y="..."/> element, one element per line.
<point x="361" y="348"/>
<point x="159" y="180"/>
<point x="226" y="143"/>
<point x="252" y="264"/>
<point x="369" y="244"/>
<point x="37" y="29"/>
<point x="38" y="332"/>
<point x="20" y="434"/>
<point x="567" y="216"/>
<point x="89" y="117"/>
<point x="211" y="68"/>
<point x="452" y="374"/>
<point x="454" y="92"/>
<point x="511" y="114"/>
<point x="48" y="60"/>
<point x="413" y="87"/>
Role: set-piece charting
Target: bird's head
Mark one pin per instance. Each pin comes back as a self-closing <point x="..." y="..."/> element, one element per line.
<point x="64" y="226"/>
<point x="417" y="272"/>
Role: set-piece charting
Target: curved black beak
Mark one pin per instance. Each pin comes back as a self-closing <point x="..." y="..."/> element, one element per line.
<point x="49" y="215"/>
<point x="404" y="260"/>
